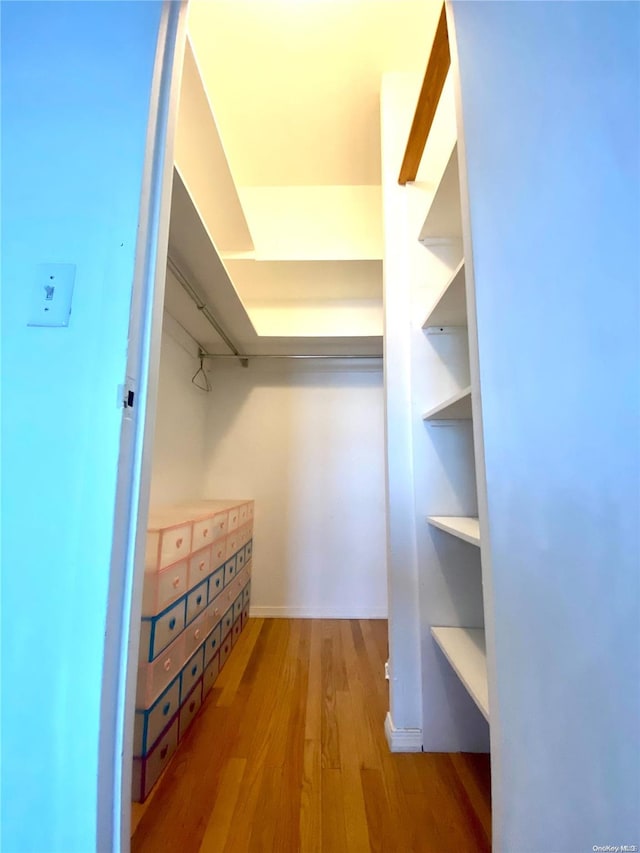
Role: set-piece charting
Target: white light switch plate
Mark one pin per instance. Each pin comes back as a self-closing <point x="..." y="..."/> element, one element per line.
<point x="51" y="295"/>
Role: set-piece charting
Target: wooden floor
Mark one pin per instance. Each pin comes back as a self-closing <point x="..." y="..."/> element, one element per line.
<point x="289" y="754"/>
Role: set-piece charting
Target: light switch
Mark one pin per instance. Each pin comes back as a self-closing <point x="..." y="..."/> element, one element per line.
<point x="51" y="295"/>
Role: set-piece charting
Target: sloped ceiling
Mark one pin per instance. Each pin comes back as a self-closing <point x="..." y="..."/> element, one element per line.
<point x="292" y="93"/>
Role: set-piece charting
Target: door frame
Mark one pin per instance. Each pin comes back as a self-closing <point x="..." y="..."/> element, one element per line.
<point x="124" y="605"/>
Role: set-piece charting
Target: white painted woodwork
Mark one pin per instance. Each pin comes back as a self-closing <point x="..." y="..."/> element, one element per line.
<point x="293" y="329"/>
<point x="464" y="648"/>
<point x="201" y="158"/>
<point x="437" y="476"/>
<point x="466" y="528"/>
<point x="458" y="406"/>
<point x="450" y="308"/>
<point x="442" y="221"/>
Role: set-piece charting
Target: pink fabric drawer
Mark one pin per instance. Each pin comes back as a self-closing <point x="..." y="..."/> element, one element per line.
<point x="244" y="534"/>
<point x="154" y="676"/>
<point x="218" y="553"/>
<point x="163" y="587"/>
<point x="233" y="544"/>
<point x="234" y="518"/>
<point x="200" y="567"/>
<point x="167" y="545"/>
<point x="146" y="771"/>
<point x="195" y="633"/>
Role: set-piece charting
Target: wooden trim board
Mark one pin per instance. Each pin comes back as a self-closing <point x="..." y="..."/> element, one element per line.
<point x="432" y="85"/>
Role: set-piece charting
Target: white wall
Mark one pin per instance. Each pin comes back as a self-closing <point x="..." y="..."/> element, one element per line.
<point x="306" y="443"/>
<point x="76" y="79"/>
<point x="550" y="104"/>
<point x="180" y="429"/>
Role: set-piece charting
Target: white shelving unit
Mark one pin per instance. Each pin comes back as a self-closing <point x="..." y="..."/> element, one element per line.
<point x="467" y="529"/>
<point x="456" y="407"/>
<point x="465" y="650"/>
<point x="447" y="464"/>
<point x="450" y="308"/>
<point x="442" y="221"/>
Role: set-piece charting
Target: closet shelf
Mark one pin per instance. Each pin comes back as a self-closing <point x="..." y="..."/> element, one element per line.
<point x="443" y="222"/>
<point x="465" y="650"/>
<point x="450" y="308"/>
<point x="465" y="528"/>
<point x="457" y="407"/>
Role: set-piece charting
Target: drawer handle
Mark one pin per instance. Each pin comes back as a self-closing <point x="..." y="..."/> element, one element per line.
<point x="176" y="582"/>
<point x="201" y="566"/>
<point x="205" y="532"/>
<point x="166" y="709"/>
<point x="179" y="542"/>
<point x="217" y="581"/>
<point x="172" y="624"/>
<point x="191" y="707"/>
<point x="194" y="669"/>
<point x="213" y="644"/>
<point x="167" y="665"/>
<point x="196" y="633"/>
<point x="199" y="600"/>
<point x="163" y="751"/>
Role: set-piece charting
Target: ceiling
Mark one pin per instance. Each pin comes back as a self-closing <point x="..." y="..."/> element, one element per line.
<point x="295" y="84"/>
<point x="278" y="151"/>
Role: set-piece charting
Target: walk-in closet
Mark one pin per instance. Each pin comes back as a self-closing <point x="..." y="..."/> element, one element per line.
<point x="320" y="418"/>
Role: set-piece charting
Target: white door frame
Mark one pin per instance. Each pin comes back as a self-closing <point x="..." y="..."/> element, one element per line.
<point x="124" y="604"/>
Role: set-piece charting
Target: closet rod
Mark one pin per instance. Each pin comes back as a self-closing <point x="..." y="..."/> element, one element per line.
<point x="248" y="356"/>
<point x="204" y="309"/>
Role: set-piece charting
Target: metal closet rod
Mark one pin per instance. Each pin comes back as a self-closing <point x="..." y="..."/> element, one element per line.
<point x="202" y="306"/>
<point x="247" y="356"/>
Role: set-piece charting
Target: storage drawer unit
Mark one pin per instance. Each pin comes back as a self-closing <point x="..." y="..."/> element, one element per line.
<point x="194" y="602"/>
<point x="189" y="709"/>
<point x="158" y="632"/>
<point x="147" y="770"/>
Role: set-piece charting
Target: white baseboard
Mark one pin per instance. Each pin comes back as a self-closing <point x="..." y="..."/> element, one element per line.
<point x="402" y="740"/>
<point x="319" y="612"/>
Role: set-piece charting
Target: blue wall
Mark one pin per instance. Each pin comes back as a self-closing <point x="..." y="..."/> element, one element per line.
<point x="550" y="103"/>
<point x="76" y="81"/>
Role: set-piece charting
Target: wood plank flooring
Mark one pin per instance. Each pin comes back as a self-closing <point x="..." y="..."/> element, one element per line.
<point x="289" y="755"/>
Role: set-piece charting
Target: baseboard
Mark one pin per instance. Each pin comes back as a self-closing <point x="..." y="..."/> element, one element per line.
<point x="319" y="612"/>
<point x="402" y="740"/>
